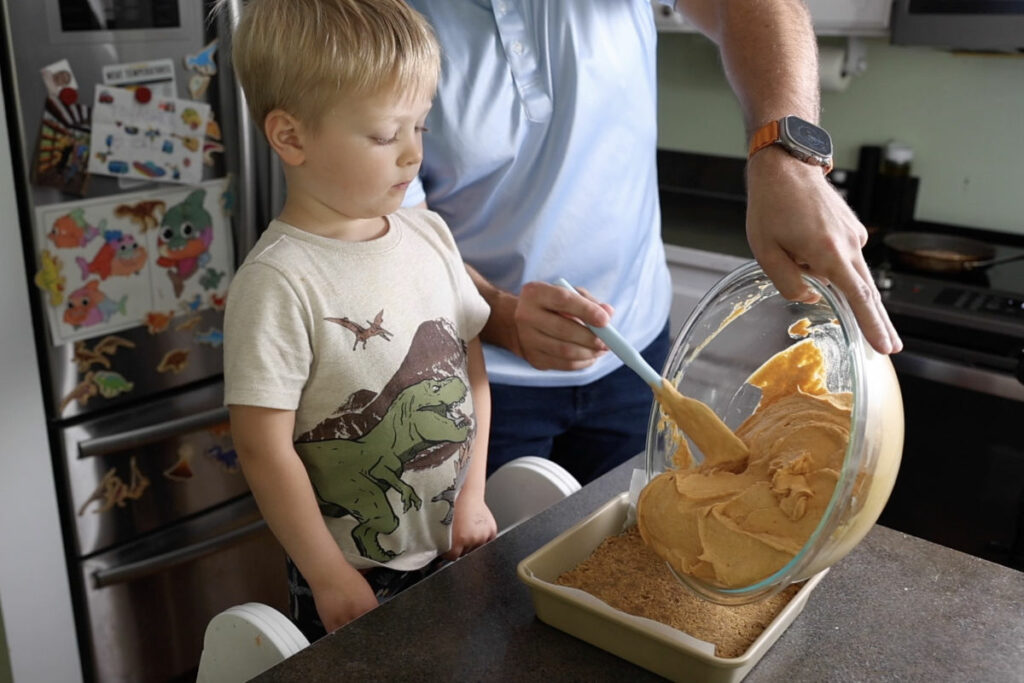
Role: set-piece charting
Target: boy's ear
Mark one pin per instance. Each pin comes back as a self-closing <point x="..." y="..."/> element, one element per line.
<point x="286" y="136"/>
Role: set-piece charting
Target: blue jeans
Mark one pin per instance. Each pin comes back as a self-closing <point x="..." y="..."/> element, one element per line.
<point x="588" y="430"/>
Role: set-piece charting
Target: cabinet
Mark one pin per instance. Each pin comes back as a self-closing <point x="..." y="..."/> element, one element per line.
<point x="693" y="273"/>
<point x="830" y="17"/>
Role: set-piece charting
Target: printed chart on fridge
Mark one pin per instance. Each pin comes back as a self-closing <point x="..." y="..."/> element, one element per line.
<point x="111" y="263"/>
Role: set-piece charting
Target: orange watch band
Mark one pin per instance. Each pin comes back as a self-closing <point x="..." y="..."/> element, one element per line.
<point x="767" y="134"/>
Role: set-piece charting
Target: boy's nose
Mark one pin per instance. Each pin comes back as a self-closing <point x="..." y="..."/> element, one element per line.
<point x="411" y="155"/>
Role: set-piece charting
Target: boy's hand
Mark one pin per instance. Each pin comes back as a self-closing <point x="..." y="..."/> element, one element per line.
<point x="341" y="601"/>
<point x="473" y="525"/>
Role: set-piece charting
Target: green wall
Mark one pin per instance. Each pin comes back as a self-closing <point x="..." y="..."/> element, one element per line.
<point x="962" y="114"/>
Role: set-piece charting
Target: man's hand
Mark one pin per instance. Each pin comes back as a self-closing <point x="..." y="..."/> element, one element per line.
<point x="798" y="224"/>
<point x="542" y="324"/>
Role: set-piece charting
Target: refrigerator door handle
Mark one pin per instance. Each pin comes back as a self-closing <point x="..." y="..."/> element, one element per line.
<point x="158" y="563"/>
<point x="246" y="143"/>
<point x="136" y="438"/>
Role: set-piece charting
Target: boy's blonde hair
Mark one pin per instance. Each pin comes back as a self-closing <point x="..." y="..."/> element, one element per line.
<point x="301" y="55"/>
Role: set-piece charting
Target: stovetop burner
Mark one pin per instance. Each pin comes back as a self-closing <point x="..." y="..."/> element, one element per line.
<point x="974" y="317"/>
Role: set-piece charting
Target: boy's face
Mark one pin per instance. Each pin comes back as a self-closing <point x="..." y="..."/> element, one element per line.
<point x="365" y="153"/>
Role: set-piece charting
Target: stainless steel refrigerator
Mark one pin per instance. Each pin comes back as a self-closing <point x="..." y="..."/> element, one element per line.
<point x="141" y="187"/>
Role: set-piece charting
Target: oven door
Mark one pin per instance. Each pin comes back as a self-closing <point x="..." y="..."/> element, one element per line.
<point x="961" y="481"/>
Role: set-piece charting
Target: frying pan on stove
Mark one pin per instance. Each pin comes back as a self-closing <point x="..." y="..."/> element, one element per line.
<point x="938" y="253"/>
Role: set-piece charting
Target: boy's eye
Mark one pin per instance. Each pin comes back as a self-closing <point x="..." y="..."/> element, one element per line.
<point x="385" y="140"/>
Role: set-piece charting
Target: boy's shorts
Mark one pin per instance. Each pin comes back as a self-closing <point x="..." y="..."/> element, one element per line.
<point x="386" y="584"/>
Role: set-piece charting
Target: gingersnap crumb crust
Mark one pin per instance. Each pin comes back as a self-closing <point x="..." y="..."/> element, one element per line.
<point x="627" y="575"/>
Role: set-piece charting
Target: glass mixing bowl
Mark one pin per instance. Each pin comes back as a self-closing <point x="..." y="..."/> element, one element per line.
<point x="738" y="325"/>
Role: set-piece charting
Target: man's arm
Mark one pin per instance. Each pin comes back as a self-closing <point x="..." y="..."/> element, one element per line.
<point x="534" y="326"/>
<point x="796" y="222"/>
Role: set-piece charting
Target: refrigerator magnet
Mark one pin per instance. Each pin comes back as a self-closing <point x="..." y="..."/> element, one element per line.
<point x="227" y="459"/>
<point x="62" y="148"/>
<point x="156" y="76"/>
<point x="82" y="392"/>
<point x="114" y="491"/>
<point x="49" y="278"/>
<point x="181" y="470"/>
<point x="202" y="62"/>
<point x="174" y="361"/>
<point x="158" y="321"/>
<point x="151" y="140"/>
<point x="110" y="383"/>
<point x="84" y="357"/>
<point x="212" y="337"/>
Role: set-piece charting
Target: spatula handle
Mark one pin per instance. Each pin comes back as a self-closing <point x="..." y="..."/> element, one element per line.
<point x="620" y="347"/>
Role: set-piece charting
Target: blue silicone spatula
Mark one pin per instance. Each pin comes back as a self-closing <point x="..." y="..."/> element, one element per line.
<point x="621" y="348"/>
<point x="716" y="441"/>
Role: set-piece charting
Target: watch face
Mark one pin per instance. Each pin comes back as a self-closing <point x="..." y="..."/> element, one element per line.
<point x="803" y="133"/>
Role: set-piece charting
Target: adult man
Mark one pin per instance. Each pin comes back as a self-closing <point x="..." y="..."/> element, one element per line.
<point x="541" y="157"/>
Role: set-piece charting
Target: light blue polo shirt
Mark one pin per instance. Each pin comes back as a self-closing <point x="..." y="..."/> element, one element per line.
<point x="540" y="154"/>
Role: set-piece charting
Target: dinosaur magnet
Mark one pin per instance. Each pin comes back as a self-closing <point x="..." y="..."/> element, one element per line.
<point x="49" y="277"/>
<point x="144" y="214"/>
<point x="202" y="62"/>
<point x="84" y="357"/>
<point x="212" y="337"/>
<point x="174" y="361"/>
<point x="113" y="491"/>
<point x="189" y="323"/>
<point x="181" y="470"/>
<point x="158" y="321"/>
<point x="211" y="278"/>
<point x="110" y="383"/>
<point x="111" y="343"/>
<point x="226" y="458"/>
<point x="82" y="392"/>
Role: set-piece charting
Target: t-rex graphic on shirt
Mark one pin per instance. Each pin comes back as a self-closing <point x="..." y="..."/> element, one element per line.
<point x="353" y="476"/>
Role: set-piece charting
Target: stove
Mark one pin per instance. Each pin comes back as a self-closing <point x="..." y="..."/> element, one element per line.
<point x="961" y="481"/>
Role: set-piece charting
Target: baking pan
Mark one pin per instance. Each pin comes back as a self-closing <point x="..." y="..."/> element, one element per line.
<point x="654" y="646"/>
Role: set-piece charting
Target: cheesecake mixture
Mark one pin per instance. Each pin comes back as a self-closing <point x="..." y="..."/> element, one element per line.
<point x="753" y="502"/>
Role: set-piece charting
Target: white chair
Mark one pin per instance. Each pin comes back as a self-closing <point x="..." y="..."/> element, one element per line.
<point x="521" y="488"/>
<point x="244" y="641"/>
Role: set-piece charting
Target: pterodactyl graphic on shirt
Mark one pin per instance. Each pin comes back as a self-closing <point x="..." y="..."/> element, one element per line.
<point x="364" y="333"/>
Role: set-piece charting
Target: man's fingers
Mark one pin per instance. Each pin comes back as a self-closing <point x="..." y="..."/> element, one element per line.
<point x="786" y="275"/>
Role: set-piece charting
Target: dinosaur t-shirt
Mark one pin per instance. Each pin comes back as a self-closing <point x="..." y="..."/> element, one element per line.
<point x="366" y="342"/>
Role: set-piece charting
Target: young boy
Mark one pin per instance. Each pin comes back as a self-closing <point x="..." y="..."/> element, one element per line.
<point x="355" y="380"/>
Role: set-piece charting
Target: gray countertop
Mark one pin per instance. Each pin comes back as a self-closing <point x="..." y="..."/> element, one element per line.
<point x="897" y="608"/>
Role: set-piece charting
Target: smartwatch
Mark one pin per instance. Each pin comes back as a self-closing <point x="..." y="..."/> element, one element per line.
<point x="804" y="140"/>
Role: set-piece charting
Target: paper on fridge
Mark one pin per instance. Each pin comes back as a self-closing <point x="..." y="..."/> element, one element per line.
<point x="137" y="134"/>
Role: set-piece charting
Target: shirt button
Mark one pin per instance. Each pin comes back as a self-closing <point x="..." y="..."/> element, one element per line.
<point x="517" y="47"/>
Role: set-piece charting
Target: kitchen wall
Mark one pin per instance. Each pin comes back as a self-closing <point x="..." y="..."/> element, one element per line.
<point x="962" y="114"/>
